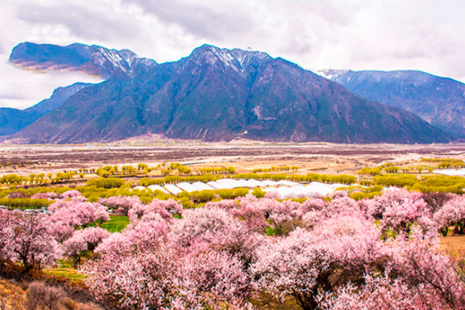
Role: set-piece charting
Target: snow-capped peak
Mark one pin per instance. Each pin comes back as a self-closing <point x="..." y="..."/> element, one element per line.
<point x="236" y="59"/>
<point x="332" y="74"/>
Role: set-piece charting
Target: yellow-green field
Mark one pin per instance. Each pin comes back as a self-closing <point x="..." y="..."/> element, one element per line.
<point x="69" y="273"/>
<point x="116" y="224"/>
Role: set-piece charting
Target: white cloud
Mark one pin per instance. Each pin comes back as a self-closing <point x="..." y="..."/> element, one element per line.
<point x="317" y="34"/>
<point x="200" y="18"/>
<point x="21" y="89"/>
<point x="75" y="18"/>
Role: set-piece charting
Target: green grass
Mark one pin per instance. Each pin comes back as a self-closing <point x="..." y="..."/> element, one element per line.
<point x="270" y="231"/>
<point x="69" y="273"/>
<point x="116" y="224"/>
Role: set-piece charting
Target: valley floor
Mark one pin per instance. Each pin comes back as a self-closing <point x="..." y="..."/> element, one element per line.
<point x="243" y="156"/>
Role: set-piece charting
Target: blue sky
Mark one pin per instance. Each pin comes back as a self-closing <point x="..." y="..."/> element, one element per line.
<point x="424" y="35"/>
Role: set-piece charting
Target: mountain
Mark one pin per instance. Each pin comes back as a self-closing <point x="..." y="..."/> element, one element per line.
<point x="93" y="60"/>
<point x="440" y="101"/>
<point x="13" y="120"/>
<point x="218" y="94"/>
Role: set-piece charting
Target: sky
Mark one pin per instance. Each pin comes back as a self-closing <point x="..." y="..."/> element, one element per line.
<point x="426" y="35"/>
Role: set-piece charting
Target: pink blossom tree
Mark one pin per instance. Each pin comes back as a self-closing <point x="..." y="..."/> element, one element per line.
<point x="378" y="205"/>
<point x="203" y="224"/>
<point x="6" y="235"/>
<point x="164" y="279"/>
<point x="116" y="244"/>
<point x="218" y="230"/>
<point x="308" y="262"/>
<point x="252" y="217"/>
<point x="212" y="280"/>
<point x="316" y="211"/>
<point x="73" y="247"/>
<point x="100" y="213"/>
<point x="30" y="239"/>
<point x="343" y="205"/>
<point x="58" y="204"/>
<point x="226" y="204"/>
<point x="73" y="195"/>
<point x="274" y="194"/>
<point x="451" y="213"/>
<point x="282" y="216"/>
<point x="61" y="230"/>
<point x="83" y="240"/>
<point x="77" y="213"/>
<point x="436" y="200"/>
<point x="381" y="293"/>
<point x="312" y="204"/>
<point x="170" y="205"/>
<point x="313" y="212"/>
<point x="132" y="270"/>
<point x="48" y="195"/>
<point x="122" y="204"/>
<point x="419" y="277"/>
<point x="128" y="279"/>
<point x="147" y="235"/>
<point x="293" y="266"/>
<point x="421" y="264"/>
<point x="93" y="236"/>
<point x="164" y="208"/>
<point x="339" y="194"/>
<point x="399" y="216"/>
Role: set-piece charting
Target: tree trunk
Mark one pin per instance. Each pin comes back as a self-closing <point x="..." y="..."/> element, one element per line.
<point x="76" y="260"/>
<point x="306" y="302"/>
<point x="444" y="230"/>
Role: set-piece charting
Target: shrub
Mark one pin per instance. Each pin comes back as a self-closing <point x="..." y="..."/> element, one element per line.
<point x="42" y="296"/>
<point x="258" y="193"/>
<point x="106" y="182"/>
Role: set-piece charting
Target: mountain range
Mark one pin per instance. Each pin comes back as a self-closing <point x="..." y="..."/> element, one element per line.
<point x="440" y="101"/>
<point x="213" y="94"/>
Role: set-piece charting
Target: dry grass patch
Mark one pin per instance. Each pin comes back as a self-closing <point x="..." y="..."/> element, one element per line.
<point x="69" y="273"/>
<point x="454" y="246"/>
<point x="11" y="296"/>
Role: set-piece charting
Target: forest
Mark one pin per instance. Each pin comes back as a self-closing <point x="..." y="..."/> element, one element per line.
<point x="109" y="243"/>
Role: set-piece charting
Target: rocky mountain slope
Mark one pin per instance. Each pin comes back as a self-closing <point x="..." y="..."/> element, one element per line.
<point x="13" y="120"/>
<point x="438" y="100"/>
<point x="219" y="94"/>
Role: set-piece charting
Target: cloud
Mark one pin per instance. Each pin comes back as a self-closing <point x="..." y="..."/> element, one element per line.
<point x="201" y="19"/>
<point x="79" y="20"/>
<point x="316" y="34"/>
<point x="21" y="89"/>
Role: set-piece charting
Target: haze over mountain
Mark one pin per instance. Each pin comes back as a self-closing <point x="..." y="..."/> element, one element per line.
<point x="438" y="100"/>
<point x="218" y="94"/>
<point x="93" y="60"/>
<point x="13" y="120"/>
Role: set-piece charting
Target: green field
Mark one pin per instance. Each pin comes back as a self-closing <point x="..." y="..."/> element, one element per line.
<point x="69" y="273"/>
<point x="116" y="224"/>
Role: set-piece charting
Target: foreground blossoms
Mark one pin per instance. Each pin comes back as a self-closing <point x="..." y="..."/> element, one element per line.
<point x="246" y="253"/>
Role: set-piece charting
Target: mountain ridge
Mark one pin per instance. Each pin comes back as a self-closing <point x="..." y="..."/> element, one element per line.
<point x="13" y="120"/>
<point x="438" y="100"/>
<point x="218" y="94"/>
